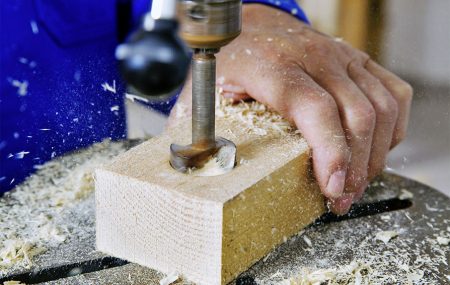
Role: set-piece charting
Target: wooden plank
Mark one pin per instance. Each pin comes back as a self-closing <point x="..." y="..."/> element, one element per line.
<point x="209" y="229"/>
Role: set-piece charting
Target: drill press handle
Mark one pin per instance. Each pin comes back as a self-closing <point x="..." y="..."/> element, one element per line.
<point x="155" y="60"/>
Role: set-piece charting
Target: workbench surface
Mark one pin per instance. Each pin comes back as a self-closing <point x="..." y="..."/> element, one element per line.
<point x="397" y="234"/>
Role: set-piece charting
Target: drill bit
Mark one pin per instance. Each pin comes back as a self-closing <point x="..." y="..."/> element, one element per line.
<point x="205" y="146"/>
<point x="203" y="97"/>
<point x="207" y="25"/>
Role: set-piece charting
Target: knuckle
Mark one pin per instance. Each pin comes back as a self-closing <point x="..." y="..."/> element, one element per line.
<point x="404" y="90"/>
<point x="345" y="154"/>
<point x="320" y="101"/>
<point x="386" y="109"/>
<point x="318" y="48"/>
<point x="358" y="56"/>
<point x="362" y="117"/>
<point x="338" y="154"/>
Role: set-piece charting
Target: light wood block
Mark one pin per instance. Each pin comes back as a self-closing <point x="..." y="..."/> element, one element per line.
<point x="209" y="229"/>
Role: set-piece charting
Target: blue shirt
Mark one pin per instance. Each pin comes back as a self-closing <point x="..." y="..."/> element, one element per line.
<point x="59" y="85"/>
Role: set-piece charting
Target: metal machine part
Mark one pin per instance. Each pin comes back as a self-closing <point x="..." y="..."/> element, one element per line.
<point x="204" y="145"/>
<point x="154" y="62"/>
<point x="209" y="24"/>
<point x="206" y="26"/>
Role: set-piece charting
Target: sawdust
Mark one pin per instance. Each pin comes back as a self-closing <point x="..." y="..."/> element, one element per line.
<point x="257" y="117"/>
<point x="222" y="162"/>
<point x="386" y="236"/>
<point x="395" y="261"/>
<point x="443" y="240"/>
<point x="405" y="194"/>
<point x="347" y="252"/>
<point x="12" y="283"/>
<point x="349" y="274"/>
<point x="31" y="215"/>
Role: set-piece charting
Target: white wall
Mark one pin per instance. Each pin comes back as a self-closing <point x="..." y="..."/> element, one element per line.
<point x="417" y="40"/>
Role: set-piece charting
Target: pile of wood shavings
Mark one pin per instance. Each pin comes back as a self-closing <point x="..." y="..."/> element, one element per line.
<point x="397" y="261"/>
<point x="349" y="274"/>
<point x="31" y="215"/>
<point x="258" y="118"/>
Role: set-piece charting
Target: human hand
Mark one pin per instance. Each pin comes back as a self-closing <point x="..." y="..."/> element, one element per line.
<point x="350" y="110"/>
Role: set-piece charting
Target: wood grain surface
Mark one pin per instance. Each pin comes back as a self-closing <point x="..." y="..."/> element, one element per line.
<point x="209" y="229"/>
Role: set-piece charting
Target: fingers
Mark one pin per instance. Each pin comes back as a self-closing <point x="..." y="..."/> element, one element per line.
<point x="358" y="119"/>
<point x="402" y="93"/>
<point x="386" y="110"/>
<point x="290" y="91"/>
<point x="316" y="115"/>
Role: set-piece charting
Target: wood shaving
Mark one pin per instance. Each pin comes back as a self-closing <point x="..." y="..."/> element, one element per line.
<point x="336" y="258"/>
<point x="443" y="240"/>
<point x="31" y="214"/>
<point x="222" y="162"/>
<point x="307" y="241"/>
<point x="386" y="236"/>
<point x="350" y="274"/>
<point x="22" y="86"/>
<point x="13" y="283"/>
<point x="133" y="98"/>
<point x="415" y="276"/>
<point x="405" y="195"/>
<point x="258" y="118"/>
<point x="169" y="279"/>
<point x="34" y="27"/>
<point x="110" y="88"/>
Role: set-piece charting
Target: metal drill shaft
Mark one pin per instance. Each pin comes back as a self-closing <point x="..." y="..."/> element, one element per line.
<point x="203" y="97"/>
<point x="206" y="25"/>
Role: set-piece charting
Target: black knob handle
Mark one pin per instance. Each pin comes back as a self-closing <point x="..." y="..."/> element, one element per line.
<point x="154" y="62"/>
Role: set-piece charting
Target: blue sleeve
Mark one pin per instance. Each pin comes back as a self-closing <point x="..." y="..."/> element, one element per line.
<point x="289" y="6"/>
<point x="54" y="57"/>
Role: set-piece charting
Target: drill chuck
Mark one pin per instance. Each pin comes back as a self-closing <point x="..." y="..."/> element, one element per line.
<point x="209" y="23"/>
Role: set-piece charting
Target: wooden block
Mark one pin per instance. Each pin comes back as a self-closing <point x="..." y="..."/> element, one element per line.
<point x="209" y="229"/>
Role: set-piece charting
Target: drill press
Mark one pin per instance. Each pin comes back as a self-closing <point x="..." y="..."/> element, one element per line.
<point x="155" y="62"/>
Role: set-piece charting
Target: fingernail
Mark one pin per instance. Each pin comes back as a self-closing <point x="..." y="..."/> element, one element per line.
<point x="336" y="184"/>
